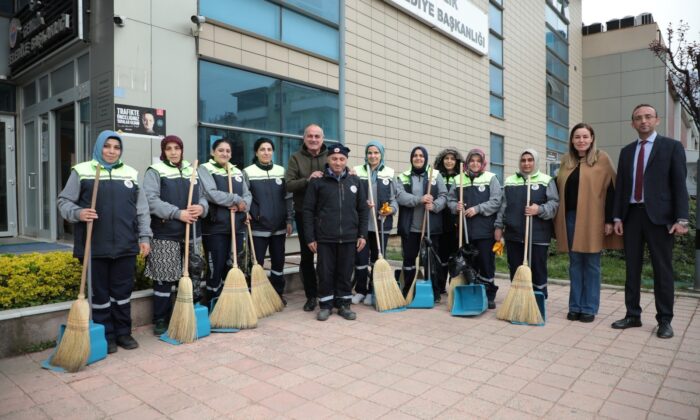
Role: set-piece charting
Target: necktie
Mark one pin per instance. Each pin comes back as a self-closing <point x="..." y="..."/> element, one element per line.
<point x="639" y="174"/>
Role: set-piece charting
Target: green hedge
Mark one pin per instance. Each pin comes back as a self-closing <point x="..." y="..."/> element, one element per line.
<point x="37" y="279"/>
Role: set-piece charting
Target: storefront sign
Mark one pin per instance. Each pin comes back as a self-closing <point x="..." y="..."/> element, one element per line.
<point x="40" y="27"/>
<point x="139" y="120"/>
<point x="458" y="19"/>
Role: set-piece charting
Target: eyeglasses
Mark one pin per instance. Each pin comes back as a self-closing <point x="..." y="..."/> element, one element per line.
<point x="314" y="136"/>
<point x="644" y="117"/>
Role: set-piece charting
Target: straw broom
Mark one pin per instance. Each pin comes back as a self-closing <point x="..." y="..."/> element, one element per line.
<point x="234" y="308"/>
<point x="412" y="290"/>
<point x="74" y="349"/>
<point x="386" y="292"/>
<point x="183" y="325"/>
<point x="520" y="304"/>
<point x="459" y="280"/>
<point x="266" y="300"/>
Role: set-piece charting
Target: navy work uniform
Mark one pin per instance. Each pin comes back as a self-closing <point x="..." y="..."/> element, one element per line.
<point x="216" y="227"/>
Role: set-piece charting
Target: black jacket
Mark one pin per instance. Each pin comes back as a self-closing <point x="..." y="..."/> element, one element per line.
<point x="335" y="210"/>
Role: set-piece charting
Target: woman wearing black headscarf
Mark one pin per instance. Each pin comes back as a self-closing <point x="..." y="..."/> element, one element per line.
<point x="414" y="199"/>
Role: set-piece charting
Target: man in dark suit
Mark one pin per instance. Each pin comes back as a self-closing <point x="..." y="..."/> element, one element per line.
<point x="651" y="205"/>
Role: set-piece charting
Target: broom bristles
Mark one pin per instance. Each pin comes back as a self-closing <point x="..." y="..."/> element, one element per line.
<point x="386" y="292"/>
<point x="454" y="282"/>
<point x="234" y="309"/>
<point x="74" y="349"/>
<point x="183" y="326"/>
<point x="520" y="304"/>
<point x="265" y="298"/>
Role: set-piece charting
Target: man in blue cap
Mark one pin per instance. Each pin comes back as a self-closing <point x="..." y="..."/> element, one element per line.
<point x="335" y="227"/>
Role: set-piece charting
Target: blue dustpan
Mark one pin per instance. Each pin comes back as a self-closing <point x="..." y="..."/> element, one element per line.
<point x="469" y="300"/>
<point x="212" y="303"/>
<point x="201" y="314"/>
<point x="423" y="297"/>
<point x="542" y="305"/>
<point x="98" y="346"/>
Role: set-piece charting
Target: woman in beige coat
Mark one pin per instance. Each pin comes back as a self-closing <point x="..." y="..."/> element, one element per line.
<point x="583" y="224"/>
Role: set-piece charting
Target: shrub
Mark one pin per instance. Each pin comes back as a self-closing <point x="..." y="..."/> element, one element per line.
<point x="37" y="279"/>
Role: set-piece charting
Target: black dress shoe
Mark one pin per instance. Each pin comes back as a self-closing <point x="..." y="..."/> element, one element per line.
<point x="127" y="342"/>
<point x="665" y="330"/>
<point x="586" y="318"/>
<point x="310" y="304"/>
<point x="111" y="345"/>
<point x="573" y="316"/>
<point x="627" y="322"/>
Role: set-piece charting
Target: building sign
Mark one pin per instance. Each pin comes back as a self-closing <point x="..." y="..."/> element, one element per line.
<point x="139" y="120"/>
<point x="40" y="27"/>
<point x="458" y="19"/>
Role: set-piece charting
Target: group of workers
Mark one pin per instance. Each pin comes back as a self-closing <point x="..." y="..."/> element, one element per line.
<point x="332" y="206"/>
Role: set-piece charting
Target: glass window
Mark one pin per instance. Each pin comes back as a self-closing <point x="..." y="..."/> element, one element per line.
<point x="557" y="67"/>
<point x="29" y="94"/>
<point x="83" y="68"/>
<point x="557" y="90"/>
<point x="497" y="156"/>
<point x="43" y="88"/>
<point x="496" y="80"/>
<point x="6" y="7"/>
<point x="236" y="97"/>
<point x="495" y="49"/>
<point x="557" y="44"/>
<point x="555" y="22"/>
<point x="256" y="16"/>
<point x="309" y="34"/>
<point x="326" y="9"/>
<point x="557" y="112"/>
<point x="495" y="19"/>
<point x="557" y="131"/>
<point x="7" y="98"/>
<point x="62" y="79"/>
<point x="557" y="145"/>
<point x="496" y="106"/>
<point x="302" y="105"/>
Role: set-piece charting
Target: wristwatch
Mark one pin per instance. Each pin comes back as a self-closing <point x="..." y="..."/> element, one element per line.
<point x="683" y="223"/>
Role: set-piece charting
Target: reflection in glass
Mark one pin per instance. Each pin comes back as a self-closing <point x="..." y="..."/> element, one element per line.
<point x="43" y="88"/>
<point x="496" y="80"/>
<point x="496" y="158"/>
<point x="496" y="106"/>
<point x="256" y="16"/>
<point x="495" y="49"/>
<point x="495" y="19"/>
<point x="302" y="105"/>
<point x="62" y="79"/>
<point x="309" y="34"/>
<point x="45" y="171"/>
<point x="31" y="167"/>
<point x="327" y="9"/>
<point x="83" y="68"/>
<point x="29" y="94"/>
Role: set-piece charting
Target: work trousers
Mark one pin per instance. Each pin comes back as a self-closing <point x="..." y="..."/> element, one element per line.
<point x="112" y="284"/>
<point x="411" y="246"/>
<point x="335" y="261"/>
<point x="363" y="260"/>
<point x="217" y="248"/>
<point x="306" y="265"/>
<point x="515" y="251"/>
<point x="276" y="245"/>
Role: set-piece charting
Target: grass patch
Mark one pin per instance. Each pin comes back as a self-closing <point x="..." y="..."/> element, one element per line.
<point x="37" y="347"/>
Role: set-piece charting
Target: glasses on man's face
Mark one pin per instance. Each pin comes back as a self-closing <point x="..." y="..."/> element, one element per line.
<point x="647" y="117"/>
<point x="314" y="136"/>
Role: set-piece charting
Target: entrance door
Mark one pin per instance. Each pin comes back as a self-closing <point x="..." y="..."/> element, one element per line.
<point x="8" y="188"/>
<point x="65" y="158"/>
<point x="38" y="197"/>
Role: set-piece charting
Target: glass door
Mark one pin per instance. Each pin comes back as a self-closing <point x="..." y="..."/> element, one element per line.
<point x="65" y="159"/>
<point x="8" y="188"/>
<point x="38" y="192"/>
<point x="30" y="219"/>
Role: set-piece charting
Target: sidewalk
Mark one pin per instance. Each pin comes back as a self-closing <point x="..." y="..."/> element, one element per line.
<point x="414" y="364"/>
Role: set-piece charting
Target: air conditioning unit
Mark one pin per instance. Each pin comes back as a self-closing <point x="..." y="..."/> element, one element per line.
<point x="613" y="24"/>
<point x="627" y="22"/>
<point x="643" y="19"/>
<point x="595" y="28"/>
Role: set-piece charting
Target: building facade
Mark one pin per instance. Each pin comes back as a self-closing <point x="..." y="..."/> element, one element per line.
<point x="501" y="75"/>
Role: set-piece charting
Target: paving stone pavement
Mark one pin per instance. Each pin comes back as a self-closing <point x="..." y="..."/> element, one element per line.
<point x="413" y="364"/>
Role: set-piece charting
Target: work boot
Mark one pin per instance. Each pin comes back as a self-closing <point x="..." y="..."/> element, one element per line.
<point x="492" y="304"/>
<point x="127" y="342"/>
<point x="310" y="304"/>
<point x="346" y="313"/>
<point x="159" y="327"/>
<point x="111" y="345"/>
<point x="323" y="314"/>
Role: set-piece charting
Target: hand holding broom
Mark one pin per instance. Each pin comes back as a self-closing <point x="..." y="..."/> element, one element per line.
<point x="74" y="349"/>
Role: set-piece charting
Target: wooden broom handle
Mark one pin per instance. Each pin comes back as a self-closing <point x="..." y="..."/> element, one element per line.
<point x="234" y="257"/>
<point x="425" y="212"/>
<point x="527" y="223"/>
<point x="461" y="200"/>
<point x="374" y="215"/>
<point x="252" y="246"/>
<point x="88" y="235"/>
<point x="185" y="266"/>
